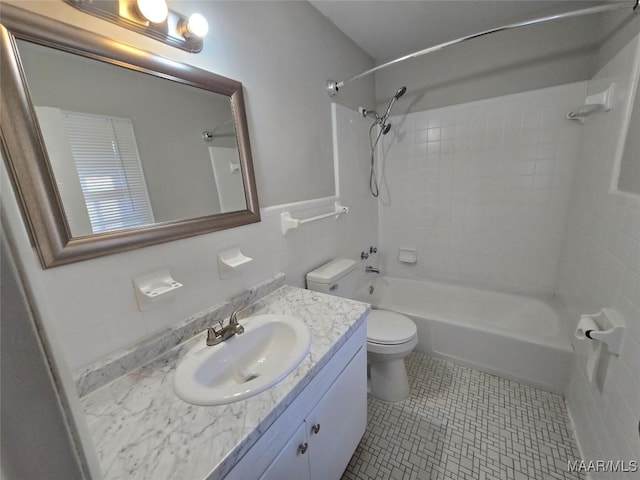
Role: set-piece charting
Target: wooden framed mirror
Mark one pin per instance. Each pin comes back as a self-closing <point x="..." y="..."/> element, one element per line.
<point x="112" y="148"/>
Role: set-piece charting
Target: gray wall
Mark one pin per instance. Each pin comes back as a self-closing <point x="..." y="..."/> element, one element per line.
<point x="284" y="53"/>
<point x="508" y="62"/>
<point x="616" y="30"/>
<point x="35" y="440"/>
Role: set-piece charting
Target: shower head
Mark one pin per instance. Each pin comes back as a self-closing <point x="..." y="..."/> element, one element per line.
<point x="382" y="120"/>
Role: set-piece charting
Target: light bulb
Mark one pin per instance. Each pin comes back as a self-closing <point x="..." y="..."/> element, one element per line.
<point x="197" y="25"/>
<point x="155" y="11"/>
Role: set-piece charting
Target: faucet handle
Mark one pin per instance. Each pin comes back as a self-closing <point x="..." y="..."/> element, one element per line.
<point x="233" y="321"/>
<point x="213" y="335"/>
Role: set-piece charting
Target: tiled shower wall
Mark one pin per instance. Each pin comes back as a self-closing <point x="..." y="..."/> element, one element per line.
<point x="601" y="268"/>
<point x="481" y="190"/>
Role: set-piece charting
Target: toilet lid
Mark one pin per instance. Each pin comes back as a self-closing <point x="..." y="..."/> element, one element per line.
<point x="389" y="328"/>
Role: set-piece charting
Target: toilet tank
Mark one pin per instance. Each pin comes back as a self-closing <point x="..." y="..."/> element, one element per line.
<point x="338" y="277"/>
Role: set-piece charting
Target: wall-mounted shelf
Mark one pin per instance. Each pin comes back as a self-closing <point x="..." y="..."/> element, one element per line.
<point x="287" y="223"/>
<point x="600" y="101"/>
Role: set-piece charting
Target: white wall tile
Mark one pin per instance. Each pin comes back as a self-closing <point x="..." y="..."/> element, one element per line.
<point x="486" y="181"/>
<point x="598" y="270"/>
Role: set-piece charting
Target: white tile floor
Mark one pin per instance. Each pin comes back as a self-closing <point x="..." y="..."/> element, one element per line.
<point x="463" y="424"/>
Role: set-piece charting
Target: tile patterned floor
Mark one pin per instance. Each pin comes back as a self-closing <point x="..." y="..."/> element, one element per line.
<point x="463" y="424"/>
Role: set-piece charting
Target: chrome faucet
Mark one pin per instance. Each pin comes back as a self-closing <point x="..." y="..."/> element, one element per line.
<point x="371" y="269"/>
<point x="214" y="337"/>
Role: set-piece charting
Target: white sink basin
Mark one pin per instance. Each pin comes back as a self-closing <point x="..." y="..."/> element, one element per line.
<point x="244" y="365"/>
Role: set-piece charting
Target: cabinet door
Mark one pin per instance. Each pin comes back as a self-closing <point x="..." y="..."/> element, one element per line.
<point x="337" y="424"/>
<point x="292" y="461"/>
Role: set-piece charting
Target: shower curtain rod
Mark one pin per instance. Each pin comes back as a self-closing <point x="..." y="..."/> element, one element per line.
<point x="333" y="86"/>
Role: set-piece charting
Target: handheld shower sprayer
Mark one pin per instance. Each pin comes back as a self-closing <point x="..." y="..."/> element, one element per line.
<point x="382" y="120"/>
<point x="385" y="127"/>
<point x="401" y="91"/>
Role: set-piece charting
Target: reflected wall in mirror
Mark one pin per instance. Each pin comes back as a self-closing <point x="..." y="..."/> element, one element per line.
<point x="111" y="148"/>
<point x="126" y="148"/>
<point x="626" y="175"/>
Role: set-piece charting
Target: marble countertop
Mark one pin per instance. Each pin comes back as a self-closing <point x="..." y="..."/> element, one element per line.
<point x="142" y="430"/>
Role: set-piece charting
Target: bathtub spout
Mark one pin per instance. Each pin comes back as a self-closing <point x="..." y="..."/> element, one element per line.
<point x="372" y="270"/>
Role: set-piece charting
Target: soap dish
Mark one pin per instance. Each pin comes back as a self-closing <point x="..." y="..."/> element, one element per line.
<point x="153" y="287"/>
<point x="230" y="260"/>
<point x="407" y="255"/>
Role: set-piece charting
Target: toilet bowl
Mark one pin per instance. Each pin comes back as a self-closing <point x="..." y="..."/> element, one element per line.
<point x="390" y="335"/>
<point x="390" y="338"/>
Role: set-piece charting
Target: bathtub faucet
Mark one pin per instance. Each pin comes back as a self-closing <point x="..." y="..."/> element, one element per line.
<point x="372" y="270"/>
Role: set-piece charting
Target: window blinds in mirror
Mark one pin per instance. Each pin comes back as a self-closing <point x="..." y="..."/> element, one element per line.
<point x="98" y="172"/>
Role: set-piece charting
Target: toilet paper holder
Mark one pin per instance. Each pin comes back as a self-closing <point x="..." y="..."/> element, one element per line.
<point x="606" y="326"/>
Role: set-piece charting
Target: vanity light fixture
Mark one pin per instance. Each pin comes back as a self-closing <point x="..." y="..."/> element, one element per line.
<point x="152" y="18"/>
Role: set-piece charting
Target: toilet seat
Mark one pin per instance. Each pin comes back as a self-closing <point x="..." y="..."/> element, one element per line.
<point x="389" y="328"/>
<point x="391" y="336"/>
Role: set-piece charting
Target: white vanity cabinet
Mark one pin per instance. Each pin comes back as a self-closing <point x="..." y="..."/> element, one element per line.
<point x="292" y="461"/>
<point x="315" y="437"/>
<point x="330" y="434"/>
<point x="337" y="423"/>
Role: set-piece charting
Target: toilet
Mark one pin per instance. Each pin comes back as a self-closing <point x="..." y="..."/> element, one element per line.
<point x="390" y="335"/>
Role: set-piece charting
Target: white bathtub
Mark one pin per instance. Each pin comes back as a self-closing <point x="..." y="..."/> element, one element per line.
<point x="512" y="336"/>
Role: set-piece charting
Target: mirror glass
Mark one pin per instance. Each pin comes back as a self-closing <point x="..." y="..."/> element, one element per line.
<point x="128" y="149"/>
<point x="626" y="173"/>
<point x="629" y="178"/>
